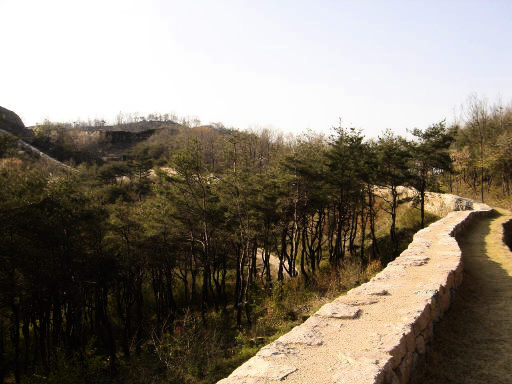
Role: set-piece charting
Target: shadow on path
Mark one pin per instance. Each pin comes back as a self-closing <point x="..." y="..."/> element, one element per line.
<point x="473" y="342"/>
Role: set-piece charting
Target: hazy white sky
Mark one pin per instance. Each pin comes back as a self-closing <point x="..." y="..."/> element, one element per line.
<point x="292" y="65"/>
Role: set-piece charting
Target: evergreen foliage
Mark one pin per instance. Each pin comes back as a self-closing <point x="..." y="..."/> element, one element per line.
<point x="165" y="262"/>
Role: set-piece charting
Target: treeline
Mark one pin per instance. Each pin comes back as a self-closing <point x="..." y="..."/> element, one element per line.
<point x="482" y="152"/>
<point x="100" y="265"/>
<point x="93" y="142"/>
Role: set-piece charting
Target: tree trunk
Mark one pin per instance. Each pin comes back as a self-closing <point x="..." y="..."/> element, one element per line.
<point x="3" y="371"/>
<point x="16" y="341"/>
<point x="392" y="230"/>
<point x="422" y="205"/>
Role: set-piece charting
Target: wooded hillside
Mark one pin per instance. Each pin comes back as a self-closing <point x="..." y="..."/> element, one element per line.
<point x="174" y="263"/>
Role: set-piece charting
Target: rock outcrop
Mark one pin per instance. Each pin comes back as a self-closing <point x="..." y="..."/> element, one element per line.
<point x="11" y="122"/>
<point x="380" y="331"/>
<point x="439" y="204"/>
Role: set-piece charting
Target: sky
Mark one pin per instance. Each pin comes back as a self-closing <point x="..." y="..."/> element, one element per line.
<point x="289" y="65"/>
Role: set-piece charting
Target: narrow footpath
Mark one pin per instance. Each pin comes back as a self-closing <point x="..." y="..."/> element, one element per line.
<point x="473" y="342"/>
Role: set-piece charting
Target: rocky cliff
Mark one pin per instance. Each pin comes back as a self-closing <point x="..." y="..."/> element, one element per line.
<point x="11" y="122"/>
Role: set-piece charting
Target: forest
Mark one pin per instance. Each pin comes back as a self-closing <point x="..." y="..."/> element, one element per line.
<point x="177" y="260"/>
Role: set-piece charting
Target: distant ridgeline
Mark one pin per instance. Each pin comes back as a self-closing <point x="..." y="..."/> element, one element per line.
<point x="114" y="140"/>
<point x="115" y="143"/>
<point x="101" y="141"/>
<point x="105" y="142"/>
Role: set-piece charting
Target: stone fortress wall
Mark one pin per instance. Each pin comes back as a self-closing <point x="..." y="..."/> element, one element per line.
<point x="377" y="332"/>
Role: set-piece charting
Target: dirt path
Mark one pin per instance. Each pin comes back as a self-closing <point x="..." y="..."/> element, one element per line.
<point x="473" y="342"/>
<point x="274" y="265"/>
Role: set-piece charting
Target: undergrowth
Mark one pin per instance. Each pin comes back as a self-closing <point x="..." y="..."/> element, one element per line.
<point x="187" y="351"/>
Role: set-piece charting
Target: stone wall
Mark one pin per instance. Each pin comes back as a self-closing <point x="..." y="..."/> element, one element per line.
<point x="379" y="331"/>
<point x="439" y="204"/>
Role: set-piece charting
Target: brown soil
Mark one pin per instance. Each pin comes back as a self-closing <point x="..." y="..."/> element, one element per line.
<point x="473" y="342"/>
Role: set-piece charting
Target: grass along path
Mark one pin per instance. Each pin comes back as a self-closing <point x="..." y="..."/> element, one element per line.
<point x="473" y="342"/>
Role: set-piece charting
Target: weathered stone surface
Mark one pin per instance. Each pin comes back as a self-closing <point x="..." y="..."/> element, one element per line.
<point x="422" y="320"/>
<point x="421" y="242"/>
<point x="302" y="335"/>
<point x="410" y="341"/>
<point x="338" y="311"/>
<point x="428" y="333"/>
<point x="447" y="241"/>
<point x="404" y="370"/>
<point x="258" y="367"/>
<point x="444" y="299"/>
<point x="244" y="380"/>
<point x="426" y="292"/>
<point x="277" y="349"/>
<point x="417" y="261"/>
<point x="395" y="345"/>
<point x="420" y="344"/>
<point x="357" y="367"/>
<point x="391" y="273"/>
<point x="458" y="274"/>
<point x="356" y="301"/>
<point x="321" y="325"/>
<point x="435" y="307"/>
<point x="392" y="378"/>
<point x="370" y="289"/>
<point x="378" y="292"/>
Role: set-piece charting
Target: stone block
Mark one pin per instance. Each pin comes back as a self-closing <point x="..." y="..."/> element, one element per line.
<point x="302" y="335"/>
<point x="435" y="307"/>
<point x="356" y="301"/>
<point x="361" y="367"/>
<point x="338" y="311"/>
<point x="404" y="369"/>
<point x="391" y="377"/>
<point x="317" y="323"/>
<point x="395" y="345"/>
<point x="420" y="344"/>
<point x="371" y="289"/>
<point x="458" y="274"/>
<point x="410" y="341"/>
<point x="444" y="299"/>
<point x="428" y="333"/>
<point x="450" y="281"/>
<point x="415" y="360"/>
<point x="278" y="349"/>
<point x="422" y="320"/>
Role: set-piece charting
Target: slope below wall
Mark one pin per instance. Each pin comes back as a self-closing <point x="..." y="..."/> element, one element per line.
<point x="379" y="331"/>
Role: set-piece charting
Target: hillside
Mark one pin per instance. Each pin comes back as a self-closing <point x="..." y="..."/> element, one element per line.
<point x="105" y="143"/>
<point x="97" y="143"/>
<point x="181" y="275"/>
